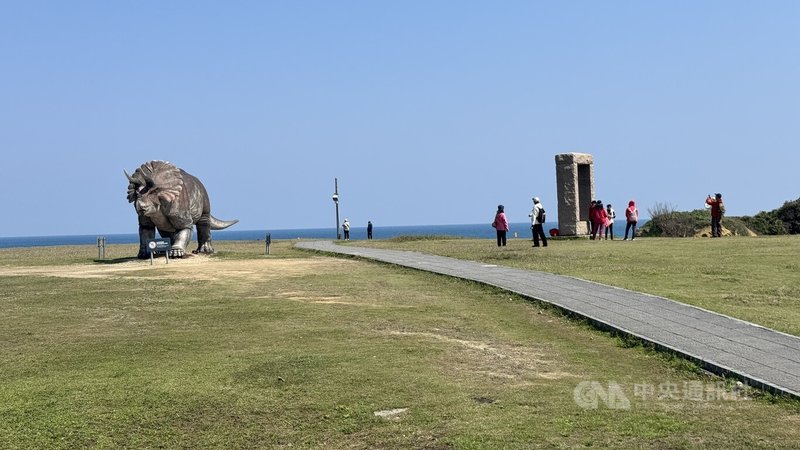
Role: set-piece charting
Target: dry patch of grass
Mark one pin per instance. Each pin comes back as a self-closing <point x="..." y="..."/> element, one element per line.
<point x="241" y="350"/>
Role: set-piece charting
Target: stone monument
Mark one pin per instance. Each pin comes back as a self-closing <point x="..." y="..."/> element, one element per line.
<point x="575" y="191"/>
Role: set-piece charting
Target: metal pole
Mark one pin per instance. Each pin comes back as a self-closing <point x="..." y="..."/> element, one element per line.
<point x="336" y="193"/>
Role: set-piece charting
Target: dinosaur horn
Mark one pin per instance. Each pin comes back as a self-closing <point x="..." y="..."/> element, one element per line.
<point x="130" y="178"/>
<point x="148" y="181"/>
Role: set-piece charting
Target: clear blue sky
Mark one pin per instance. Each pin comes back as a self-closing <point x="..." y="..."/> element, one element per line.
<point x="428" y="112"/>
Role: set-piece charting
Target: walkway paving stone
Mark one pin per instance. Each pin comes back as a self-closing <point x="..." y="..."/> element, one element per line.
<point x="762" y="357"/>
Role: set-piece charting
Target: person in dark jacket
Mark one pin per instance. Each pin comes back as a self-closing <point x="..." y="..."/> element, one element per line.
<point x="369" y="229"/>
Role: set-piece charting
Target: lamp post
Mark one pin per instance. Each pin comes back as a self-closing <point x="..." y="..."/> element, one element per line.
<point x="336" y="202"/>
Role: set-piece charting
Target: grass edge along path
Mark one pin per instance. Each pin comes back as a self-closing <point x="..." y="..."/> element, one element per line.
<point x="727" y="346"/>
<point x="753" y="279"/>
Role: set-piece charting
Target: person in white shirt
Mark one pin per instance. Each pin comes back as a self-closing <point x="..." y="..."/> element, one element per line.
<point x="611" y="216"/>
<point x="537" y="223"/>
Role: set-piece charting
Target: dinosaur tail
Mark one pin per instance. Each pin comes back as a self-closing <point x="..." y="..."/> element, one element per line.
<point x="217" y="224"/>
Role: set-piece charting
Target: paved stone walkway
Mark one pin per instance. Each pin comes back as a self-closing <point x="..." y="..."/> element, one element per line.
<point x="762" y="357"/>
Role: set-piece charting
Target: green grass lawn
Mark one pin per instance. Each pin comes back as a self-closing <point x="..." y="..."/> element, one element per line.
<point x="296" y="350"/>
<point x="754" y="279"/>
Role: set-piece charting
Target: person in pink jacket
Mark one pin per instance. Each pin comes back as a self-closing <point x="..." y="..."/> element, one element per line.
<point x="631" y="217"/>
<point x="599" y="217"/>
<point x="501" y="225"/>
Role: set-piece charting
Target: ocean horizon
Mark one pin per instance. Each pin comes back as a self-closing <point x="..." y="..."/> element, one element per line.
<point x="519" y="230"/>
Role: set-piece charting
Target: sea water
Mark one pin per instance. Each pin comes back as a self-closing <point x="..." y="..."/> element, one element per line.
<point x="482" y="231"/>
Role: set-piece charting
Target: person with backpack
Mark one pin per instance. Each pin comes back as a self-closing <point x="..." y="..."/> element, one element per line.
<point x="631" y="218"/>
<point x="538" y="217"/>
<point x="717" y="209"/>
<point x="610" y="223"/>
<point x="346" y="229"/>
<point x="501" y="225"/>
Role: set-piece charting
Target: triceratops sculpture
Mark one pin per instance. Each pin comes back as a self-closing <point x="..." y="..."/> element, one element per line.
<point x="170" y="200"/>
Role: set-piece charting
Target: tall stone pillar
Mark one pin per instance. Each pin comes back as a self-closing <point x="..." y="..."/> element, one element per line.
<point x="575" y="190"/>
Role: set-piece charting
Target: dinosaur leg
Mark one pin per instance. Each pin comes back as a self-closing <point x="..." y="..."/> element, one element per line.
<point x="180" y="239"/>
<point x="204" y="238"/>
<point x="146" y="233"/>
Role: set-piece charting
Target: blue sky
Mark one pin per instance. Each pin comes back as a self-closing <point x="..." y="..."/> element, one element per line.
<point x="427" y="112"/>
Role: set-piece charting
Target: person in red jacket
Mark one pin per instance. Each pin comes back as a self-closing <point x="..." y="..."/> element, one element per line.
<point x="598" y="217"/>
<point x="717" y="209"/>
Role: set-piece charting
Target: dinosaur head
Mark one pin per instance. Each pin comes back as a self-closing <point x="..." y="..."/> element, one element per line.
<point x="152" y="185"/>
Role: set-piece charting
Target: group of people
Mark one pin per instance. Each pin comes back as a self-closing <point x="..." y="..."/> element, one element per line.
<point x="601" y="218"/>
<point x="537" y="216"/>
<point x="346" y="229"/>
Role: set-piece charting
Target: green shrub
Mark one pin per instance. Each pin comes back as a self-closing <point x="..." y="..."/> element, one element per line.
<point x="736" y="225"/>
<point x="784" y="220"/>
<point x="767" y="223"/>
<point x="789" y="214"/>
<point x="666" y="222"/>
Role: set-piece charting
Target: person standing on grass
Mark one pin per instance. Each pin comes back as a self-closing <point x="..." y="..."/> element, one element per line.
<point x="610" y="224"/>
<point x="599" y="218"/>
<point x="501" y="225"/>
<point x="346" y="229"/>
<point x="717" y="209"/>
<point x="537" y="223"/>
<point x="369" y="229"/>
<point x="631" y="218"/>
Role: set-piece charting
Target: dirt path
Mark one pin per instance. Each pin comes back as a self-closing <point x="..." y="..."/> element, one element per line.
<point x="192" y="268"/>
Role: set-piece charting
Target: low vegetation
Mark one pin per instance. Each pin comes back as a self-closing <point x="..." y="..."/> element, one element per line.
<point x="667" y="222"/>
<point x="295" y="350"/>
<point x="784" y="220"/>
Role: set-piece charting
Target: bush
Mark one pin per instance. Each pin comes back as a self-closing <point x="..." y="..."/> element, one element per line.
<point x="784" y="220"/>
<point x="736" y="225"/>
<point x="665" y="221"/>
<point x="789" y="214"/>
<point x="765" y="223"/>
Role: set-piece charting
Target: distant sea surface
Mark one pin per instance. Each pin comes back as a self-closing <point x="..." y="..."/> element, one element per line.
<point x="483" y="230"/>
